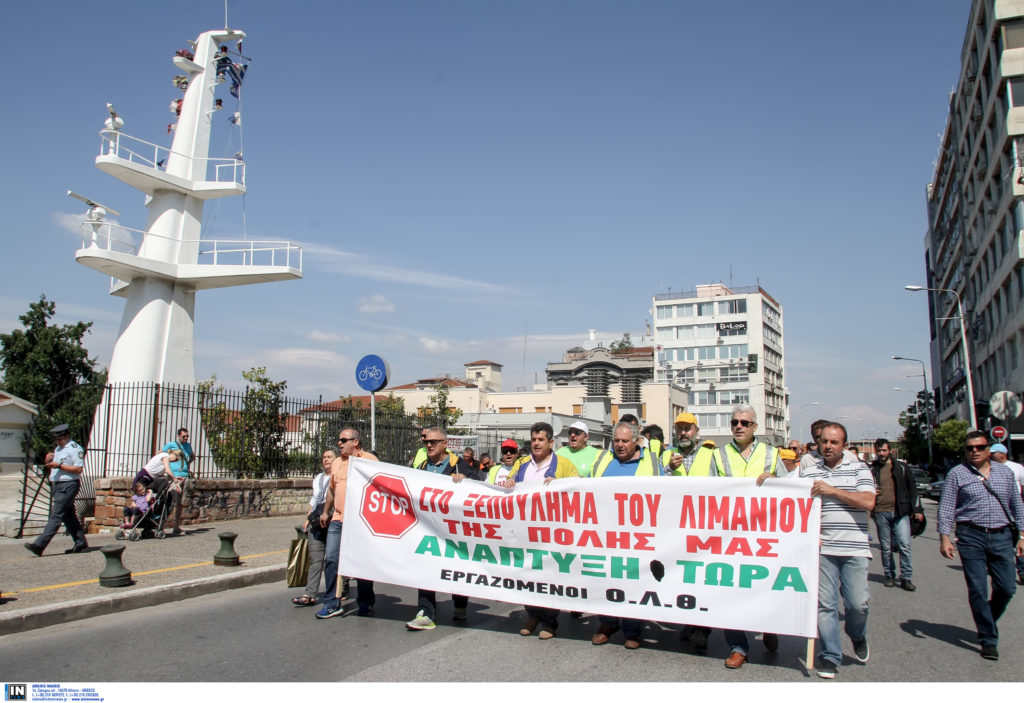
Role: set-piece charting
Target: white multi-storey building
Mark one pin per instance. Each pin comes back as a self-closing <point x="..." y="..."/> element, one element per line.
<point x="724" y="347"/>
<point x="975" y="242"/>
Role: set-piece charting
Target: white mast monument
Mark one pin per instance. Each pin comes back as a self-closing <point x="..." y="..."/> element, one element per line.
<point x="158" y="270"/>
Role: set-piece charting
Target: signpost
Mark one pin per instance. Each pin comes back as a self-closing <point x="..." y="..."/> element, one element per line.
<point x="372" y="374"/>
<point x="998" y="433"/>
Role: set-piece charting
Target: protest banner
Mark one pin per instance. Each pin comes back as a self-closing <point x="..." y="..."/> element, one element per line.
<point x="716" y="552"/>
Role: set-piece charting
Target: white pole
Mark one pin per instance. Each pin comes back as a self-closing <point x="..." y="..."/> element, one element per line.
<point x="373" y="421"/>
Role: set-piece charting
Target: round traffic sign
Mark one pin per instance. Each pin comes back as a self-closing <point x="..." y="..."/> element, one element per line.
<point x="372" y="373"/>
<point x="386" y="506"/>
<point x="998" y="432"/>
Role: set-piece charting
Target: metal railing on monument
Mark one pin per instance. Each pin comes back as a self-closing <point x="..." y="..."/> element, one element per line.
<point x="236" y="434"/>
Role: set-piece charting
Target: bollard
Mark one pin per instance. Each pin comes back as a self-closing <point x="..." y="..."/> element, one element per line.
<point x="114" y="574"/>
<point x="226" y="556"/>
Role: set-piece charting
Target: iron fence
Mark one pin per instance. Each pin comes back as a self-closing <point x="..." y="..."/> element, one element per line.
<point x="245" y="433"/>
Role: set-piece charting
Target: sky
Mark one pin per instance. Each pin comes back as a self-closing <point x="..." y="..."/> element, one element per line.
<point x="476" y="179"/>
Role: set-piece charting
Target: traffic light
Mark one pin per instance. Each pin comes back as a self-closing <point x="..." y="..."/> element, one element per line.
<point x="751" y="363"/>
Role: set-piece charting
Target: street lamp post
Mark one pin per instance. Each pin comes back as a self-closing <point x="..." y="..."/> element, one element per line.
<point x="800" y="410"/>
<point x="973" y="412"/>
<point x="927" y="414"/>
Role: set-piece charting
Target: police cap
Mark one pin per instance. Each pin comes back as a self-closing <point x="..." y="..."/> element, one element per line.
<point x="60" y="430"/>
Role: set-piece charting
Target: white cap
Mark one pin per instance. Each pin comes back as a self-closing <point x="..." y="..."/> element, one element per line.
<point x="581" y="426"/>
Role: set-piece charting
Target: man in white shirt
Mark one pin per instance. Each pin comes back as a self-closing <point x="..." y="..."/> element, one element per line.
<point x="1000" y="454"/>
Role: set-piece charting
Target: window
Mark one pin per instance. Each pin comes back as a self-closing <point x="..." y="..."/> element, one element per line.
<point x="705" y="331"/>
<point x="707" y="375"/>
<point x="684" y="310"/>
<point x="705" y="309"/>
<point x="732" y="307"/>
<point x="703" y="398"/>
<point x="706" y="353"/>
<point x="1013" y="34"/>
<point x="664" y="312"/>
<point x="1017" y="91"/>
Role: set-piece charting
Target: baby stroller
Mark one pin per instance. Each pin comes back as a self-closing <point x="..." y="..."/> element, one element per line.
<point x="151" y="522"/>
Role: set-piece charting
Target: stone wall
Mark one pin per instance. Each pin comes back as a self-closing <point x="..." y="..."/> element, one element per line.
<point x="211" y="500"/>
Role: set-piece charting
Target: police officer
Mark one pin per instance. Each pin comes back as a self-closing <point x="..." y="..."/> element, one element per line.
<point x="66" y="464"/>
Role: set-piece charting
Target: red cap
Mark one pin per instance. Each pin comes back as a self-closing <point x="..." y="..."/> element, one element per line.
<point x="510" y="444"/>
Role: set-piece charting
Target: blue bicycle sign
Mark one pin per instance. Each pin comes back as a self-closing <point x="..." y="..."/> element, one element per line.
<point x="372" y="373"/>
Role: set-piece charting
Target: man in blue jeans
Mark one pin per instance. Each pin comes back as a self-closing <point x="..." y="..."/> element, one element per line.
<point x="981" y="503"/>
<point x="847" y="493"/>
<point x="896" y="503"/>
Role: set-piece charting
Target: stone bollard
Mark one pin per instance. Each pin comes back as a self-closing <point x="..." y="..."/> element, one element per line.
<point x="114" y="573"/>
<point x="226" y="556"/>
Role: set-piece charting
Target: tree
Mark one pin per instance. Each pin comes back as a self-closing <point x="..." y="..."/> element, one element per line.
<point x="438" y="412"/>
<point x="249" y="441"/>
<point x="48" y="365"/>
<point x="622" y="345"/>
<point x="949" y="438"/>
<point x="916" y="423"/>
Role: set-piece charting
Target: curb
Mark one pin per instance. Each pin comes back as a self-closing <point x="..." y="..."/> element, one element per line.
<point x="46" y="615"/>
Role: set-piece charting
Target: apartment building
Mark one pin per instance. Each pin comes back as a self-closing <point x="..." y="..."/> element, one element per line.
<point x="724" y="347"/>
<point x="974" y="246"/>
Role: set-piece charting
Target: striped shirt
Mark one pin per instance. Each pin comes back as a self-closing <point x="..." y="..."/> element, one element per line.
<point x="844" y="529"/>
<point x="965" y="499"/>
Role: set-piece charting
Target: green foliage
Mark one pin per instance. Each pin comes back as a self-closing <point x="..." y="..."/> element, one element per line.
<point x="250" y="440"/>
<point x="916" y="424"/>
<point x="439" y="413"/>
<point x="949" y="438"/>
<point x="398" y="434"/>
<point x="622" y="345"/>
<point x="49" y="366"/>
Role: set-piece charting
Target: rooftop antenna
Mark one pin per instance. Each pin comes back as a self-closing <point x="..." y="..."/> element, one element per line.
<point x="525" y="327"/>
<point x="225" y="14"/>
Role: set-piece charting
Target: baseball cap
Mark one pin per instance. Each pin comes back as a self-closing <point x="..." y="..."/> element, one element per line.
<point x="998" y="448"/>
<point x="709" y="443"/>
<point x="787" y="454"/>
<point x="581" y="426"/>
<point x="686" y="417"/>
<point x="510" y="444"/>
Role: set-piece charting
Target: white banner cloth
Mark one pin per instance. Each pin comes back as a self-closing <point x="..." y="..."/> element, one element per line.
<point x="716" y="552"/>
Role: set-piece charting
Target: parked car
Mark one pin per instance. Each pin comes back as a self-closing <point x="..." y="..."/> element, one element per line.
<point x="920" y="480"/>
<point x="934" y="490"/>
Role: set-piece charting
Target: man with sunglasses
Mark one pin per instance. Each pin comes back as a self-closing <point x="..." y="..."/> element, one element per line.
<point x="579" y="452"/>
<point x="421" y="453"/>
<point x="981" y="503"/>
<point x="509" y="454"/>
<point x="440" y="460"/>
<point x="746" y="457"/>
<point x="349" y="445"/>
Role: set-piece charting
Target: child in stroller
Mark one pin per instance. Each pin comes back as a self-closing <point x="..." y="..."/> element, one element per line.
<point x="156" y="483"/>
<point x="142" y="499"/>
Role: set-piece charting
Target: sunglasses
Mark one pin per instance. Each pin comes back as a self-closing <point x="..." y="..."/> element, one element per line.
<point x="508" y="451"/>
<point x="432" y="442"/>
<point x="575" y="432"/>
<point x="746" y="423"/>
<point x="977" y="447"/>
<point x="346" y="440"/>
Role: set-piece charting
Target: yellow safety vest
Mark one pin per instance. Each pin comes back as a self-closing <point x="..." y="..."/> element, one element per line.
<point x="648" y="466"/>
<point x="763" y="457"/>
<point x="701" y="466"/>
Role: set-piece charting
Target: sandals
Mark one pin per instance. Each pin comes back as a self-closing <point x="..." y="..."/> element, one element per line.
<point x="304" y="600"/>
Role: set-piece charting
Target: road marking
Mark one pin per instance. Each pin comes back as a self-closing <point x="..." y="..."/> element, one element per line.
<point x="37" y="589"/>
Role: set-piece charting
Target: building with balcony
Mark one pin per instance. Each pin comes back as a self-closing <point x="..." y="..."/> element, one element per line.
<point x="724" y="347"/>
<point x="974" y="245"/>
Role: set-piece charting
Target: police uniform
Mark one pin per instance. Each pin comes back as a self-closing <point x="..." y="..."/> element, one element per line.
<point x="64" y="486"/>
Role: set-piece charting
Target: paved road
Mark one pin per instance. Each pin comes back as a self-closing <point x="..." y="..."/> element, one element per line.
<point x="255" y="634"/>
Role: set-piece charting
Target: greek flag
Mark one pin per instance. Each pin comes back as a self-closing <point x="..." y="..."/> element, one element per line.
<point x="236" y="72"/>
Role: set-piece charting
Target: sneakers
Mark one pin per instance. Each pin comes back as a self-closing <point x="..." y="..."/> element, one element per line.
<point x="420" y="622"/>
<point x="31" y="546"/>
<point x="826" y="669"/>
<point x="459" y="614"/>
<point x="860" y="650"/>
<point x="889" y="582"/>
<point x="989" y="651"/>
<point x="328" y="612"/>
<point x="908" y="585"/>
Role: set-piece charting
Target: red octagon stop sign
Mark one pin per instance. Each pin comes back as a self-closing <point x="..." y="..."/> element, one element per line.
<point x="386" y="507"/>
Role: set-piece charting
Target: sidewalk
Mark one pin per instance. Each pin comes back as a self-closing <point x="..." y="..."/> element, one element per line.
<point x="58" y="587"/>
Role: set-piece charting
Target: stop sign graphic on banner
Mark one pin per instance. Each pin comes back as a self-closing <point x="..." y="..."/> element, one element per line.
<point x="998" y="432"/>
<point x="386" y="507"/>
